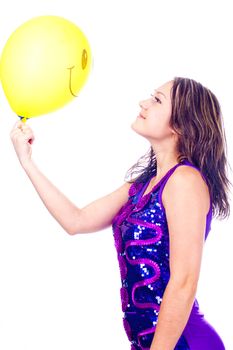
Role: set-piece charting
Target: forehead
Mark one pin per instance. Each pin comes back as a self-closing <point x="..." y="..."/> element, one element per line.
<point x="166" y="88"/>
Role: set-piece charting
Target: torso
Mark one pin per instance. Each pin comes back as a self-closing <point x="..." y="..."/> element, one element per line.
<point x="142" y="243"/>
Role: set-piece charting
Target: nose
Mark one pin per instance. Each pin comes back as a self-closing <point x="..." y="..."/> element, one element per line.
<point x="144" y="103"/>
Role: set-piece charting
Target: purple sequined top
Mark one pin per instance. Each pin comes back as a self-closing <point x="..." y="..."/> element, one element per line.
<point x="142" y="242"/>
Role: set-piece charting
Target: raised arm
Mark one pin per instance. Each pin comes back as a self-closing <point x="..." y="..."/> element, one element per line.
<point x="186" y="201"/>
<point x="95" y="216"/>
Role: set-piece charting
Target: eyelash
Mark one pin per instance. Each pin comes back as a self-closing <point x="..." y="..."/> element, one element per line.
<point x="155" y="98"/>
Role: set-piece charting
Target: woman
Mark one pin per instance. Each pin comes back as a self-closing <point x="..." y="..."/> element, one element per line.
<point x="161" y="216"/>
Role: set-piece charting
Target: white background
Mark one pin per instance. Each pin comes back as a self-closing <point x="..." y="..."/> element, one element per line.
<point x="60" y="292"/>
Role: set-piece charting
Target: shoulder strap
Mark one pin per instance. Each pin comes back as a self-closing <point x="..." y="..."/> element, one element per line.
<point x="164" y="181"/>
<point x="167" y="176"/>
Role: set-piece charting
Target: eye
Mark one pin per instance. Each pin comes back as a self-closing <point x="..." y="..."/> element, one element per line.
<point x="84" y="59"/>
<point x="155" y="98"/>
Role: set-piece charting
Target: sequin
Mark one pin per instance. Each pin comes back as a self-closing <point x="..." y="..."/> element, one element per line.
<point x="142" y="242"/>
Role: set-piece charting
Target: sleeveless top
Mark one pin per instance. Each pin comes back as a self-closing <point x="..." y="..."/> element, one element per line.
<point x="142" y="242"/>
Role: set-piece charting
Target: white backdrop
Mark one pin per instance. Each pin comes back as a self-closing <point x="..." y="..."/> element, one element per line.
<point x="60" y="292"/>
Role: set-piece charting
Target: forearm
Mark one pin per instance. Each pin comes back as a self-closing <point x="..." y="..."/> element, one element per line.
<point x="173" y="316"/>
<point x="60" y="207"/>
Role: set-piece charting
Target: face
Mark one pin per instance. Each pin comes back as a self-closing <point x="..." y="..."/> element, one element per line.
<point x="154" y="117"/>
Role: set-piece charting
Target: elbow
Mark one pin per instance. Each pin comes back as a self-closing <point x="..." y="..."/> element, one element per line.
<point x="71" y="229"/>
<point x="78" y="224"/>
<point x="187" y="286"/>
<point x="74" y="224"/>
<point x="70" y="232"/>
<point x="75" y="229"/>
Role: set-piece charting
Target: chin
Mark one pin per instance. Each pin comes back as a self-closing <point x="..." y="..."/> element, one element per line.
<point x="136" y="128"/>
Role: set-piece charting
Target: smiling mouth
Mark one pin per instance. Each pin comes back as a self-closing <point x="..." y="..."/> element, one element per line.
<point x="141" y="116"/>
<point x="70" y="78"/>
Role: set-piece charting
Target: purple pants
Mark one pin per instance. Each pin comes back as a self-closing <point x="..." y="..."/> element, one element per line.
<point x="197" y="335"/>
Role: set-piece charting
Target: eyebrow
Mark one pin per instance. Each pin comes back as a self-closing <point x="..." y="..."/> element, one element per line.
<point x="161" y="93"/>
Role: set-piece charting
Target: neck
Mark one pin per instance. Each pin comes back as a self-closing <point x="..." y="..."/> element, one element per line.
<point x="166" y="159"/>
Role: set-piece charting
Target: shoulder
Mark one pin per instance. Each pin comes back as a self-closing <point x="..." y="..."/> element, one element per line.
<point x="186" y="182"/>
<point x="186" y="175"/>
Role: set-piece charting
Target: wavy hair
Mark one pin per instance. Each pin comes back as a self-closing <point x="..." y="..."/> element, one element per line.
<point x="197" y="119"/>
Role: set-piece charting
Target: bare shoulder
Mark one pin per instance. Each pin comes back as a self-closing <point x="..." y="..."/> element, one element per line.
<point x="186" y="175"/>
<point x="186" y="181"/>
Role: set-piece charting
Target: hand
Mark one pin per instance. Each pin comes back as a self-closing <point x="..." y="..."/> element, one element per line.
<point x="22" y="138"/>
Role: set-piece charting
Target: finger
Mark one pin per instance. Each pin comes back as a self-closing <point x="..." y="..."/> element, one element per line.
<point x="15" y="132"/>
<point x="19" y="135"/>
<point x="23" y="128"/>
<point x="29" y="136"/>
<point x="18" y="124"/>
<point x="27" y="130"/>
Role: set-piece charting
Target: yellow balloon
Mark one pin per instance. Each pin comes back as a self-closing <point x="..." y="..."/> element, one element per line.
<point x="44" y="64"/>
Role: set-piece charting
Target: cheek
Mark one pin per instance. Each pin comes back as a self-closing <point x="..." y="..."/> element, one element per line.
<point x="161" y="113"/>
<point x="160" y="119"/>
<point x="159" y="126"/>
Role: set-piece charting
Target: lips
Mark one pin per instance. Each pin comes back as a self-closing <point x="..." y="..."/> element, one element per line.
<point x="141" y="116"/>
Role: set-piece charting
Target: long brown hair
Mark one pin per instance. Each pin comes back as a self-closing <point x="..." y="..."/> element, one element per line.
<point x="196" y="118"/>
